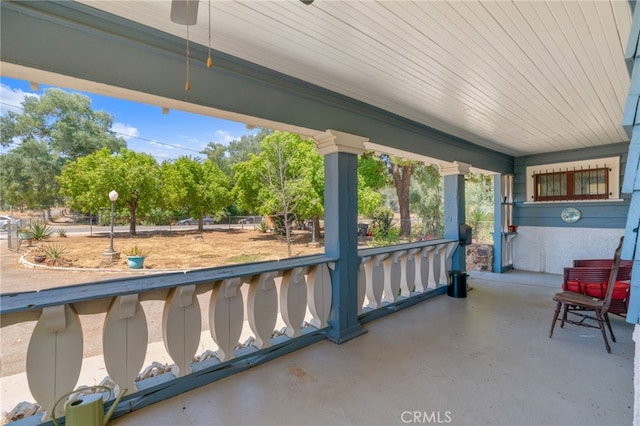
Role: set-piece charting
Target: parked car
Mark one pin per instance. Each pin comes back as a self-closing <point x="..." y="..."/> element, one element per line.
<point x="6" y="220"/>
<point x="192" y="221"/>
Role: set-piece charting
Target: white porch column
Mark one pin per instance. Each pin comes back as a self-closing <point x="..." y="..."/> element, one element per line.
<point x="340" y="151"/>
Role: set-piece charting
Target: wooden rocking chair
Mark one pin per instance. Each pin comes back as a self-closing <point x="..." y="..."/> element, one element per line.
<point x="581" y="305"/>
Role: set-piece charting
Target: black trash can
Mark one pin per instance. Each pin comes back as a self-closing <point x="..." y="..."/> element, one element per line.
<point x="457" y="284"/>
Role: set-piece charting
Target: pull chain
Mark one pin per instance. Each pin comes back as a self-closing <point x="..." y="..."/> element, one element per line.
<point x="209" y="61"/>
<point x="187" y="85"/>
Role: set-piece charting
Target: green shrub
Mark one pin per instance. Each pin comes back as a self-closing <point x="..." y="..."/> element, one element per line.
<point x="388" y="237"/>
<point x="383" y="231"/>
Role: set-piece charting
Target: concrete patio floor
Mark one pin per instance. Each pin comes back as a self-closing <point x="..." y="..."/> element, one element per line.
<point x="484" y="359"/>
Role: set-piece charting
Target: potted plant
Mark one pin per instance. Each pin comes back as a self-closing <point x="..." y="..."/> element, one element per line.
<point x="135" y="257"/>
<point x="25" y="233"/>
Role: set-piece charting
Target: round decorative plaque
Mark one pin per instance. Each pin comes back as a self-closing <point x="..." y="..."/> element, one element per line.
<point x="571" y="215"/>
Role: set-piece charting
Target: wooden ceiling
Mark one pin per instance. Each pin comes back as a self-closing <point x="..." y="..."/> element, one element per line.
<point x="520" y="77"/>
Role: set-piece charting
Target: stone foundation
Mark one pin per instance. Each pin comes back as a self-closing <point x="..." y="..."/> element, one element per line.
<point x="479" y="257"/>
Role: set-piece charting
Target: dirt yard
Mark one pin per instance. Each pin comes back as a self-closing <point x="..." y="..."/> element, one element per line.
<point x="182" y="249"/>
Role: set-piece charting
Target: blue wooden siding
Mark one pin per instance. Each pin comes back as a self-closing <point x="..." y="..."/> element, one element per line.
<point x="597" y="214"/>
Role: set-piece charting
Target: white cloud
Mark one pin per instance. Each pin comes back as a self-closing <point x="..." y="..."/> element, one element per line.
<point x="223" y="137"/>
<point x="11" y="99"/>
<point x="125" y="131"/>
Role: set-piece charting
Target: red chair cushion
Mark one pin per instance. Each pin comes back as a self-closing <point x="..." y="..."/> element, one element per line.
<point x="573" y="286"/>
<point x="620" y="290"/>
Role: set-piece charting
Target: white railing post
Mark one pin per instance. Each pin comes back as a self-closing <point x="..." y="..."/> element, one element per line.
<point x="392" y="275"/>
<point x="422" y="269"/>
<point x="432" y="282"/>
<point x="263" y="307"/>
<point x="362" y="282"/>
<point x="54" y="356"/>
<point x="319" y="295"/>
<point x="375" y="279"/>
<point x="181" y="323"/>
<point x="293" y="300"/>
<point x="124" y="340"/>
<point x="226" y="316"/>
<point x="410" y="267"/>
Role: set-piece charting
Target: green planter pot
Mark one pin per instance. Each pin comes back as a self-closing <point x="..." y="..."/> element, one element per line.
<point x="26" y="235"/>
<point x="135" y="262"/>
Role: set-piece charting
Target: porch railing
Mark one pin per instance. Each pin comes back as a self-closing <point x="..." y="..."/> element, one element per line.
<point x="244" y="300"/>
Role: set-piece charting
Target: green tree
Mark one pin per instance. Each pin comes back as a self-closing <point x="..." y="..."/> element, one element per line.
<point x="28" y="176"/>
<point x="427" y="195"/>
<point x="237" y="151"/>
<point x="200" y="187"/>
<point x="135" y="176"/>
<point x="282" y="180"/>
<point x="380" y="172"/>
<point x="63" y="121"/>
<point x="401" y="172"/>
<point x="368" y="198"/>
<point x="479" y="205"/>
<point x="217" y="154"/>
<point x="240" y="150"/>
<point x="373" y="171"/>
<point x="372" y="176"/>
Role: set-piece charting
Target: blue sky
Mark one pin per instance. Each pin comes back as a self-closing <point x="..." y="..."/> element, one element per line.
<point x="144" y="127"/>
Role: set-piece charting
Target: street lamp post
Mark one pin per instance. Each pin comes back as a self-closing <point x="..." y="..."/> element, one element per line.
<point x="113" y="196"/>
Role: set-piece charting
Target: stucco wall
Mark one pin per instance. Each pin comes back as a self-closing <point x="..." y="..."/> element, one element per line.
<point x="550" y="249"/>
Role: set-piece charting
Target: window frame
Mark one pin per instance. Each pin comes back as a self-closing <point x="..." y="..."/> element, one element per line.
<point x="569" y="185"/>
<point x="612" y="180"/>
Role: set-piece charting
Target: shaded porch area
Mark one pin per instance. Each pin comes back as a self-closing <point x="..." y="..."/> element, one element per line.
<point x="484" y="359"/>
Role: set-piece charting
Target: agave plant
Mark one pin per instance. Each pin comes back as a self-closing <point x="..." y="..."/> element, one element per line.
<point x="40" y="230"/>
<point x="262" y="227"/>
<point x="55" y="253"/>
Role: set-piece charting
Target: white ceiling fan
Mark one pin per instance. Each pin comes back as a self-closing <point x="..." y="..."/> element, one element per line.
<point x="185" y="12"/>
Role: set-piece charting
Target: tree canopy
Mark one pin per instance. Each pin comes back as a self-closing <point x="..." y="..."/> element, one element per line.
<point x="49" y="131"/>
<point x="427" y="193"/>
<point x="237" y="151"/>
<point x="134" y="176"/>
<point x="284" y="179"/>
<point x="199" y="187"/>
<point x="64" y="121"/>
<point x="28" y="176"/>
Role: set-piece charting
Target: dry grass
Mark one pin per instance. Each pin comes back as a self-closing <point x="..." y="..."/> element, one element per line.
<point x="183" y="249"/>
